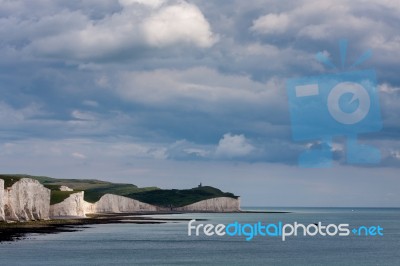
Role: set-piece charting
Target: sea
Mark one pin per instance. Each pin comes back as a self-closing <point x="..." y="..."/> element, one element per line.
<point x="170" y="244"/>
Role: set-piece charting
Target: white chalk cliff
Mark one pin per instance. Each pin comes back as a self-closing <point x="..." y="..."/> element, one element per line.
<point x="2" y="216"/>
<point x="26" y="200"/>
<point x="65" y="188"/>
<point x="110" y="203"/>
<point x="221" y="204"/>
<point x="74" y="205"/>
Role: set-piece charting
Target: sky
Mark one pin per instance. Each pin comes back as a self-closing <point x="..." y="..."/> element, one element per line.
<point x="172" y="93"/>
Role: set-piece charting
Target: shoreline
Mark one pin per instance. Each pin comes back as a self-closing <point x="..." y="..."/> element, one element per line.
<point x="15" y="231"/>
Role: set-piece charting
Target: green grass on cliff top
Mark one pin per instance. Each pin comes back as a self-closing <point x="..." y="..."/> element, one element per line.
<point x="179" y="197"/>
<point x="95" y="189"/>
<point x="9" y="180"/>
<point x="58" y="196"/>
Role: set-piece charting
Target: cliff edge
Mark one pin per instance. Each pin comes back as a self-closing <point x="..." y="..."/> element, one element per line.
<point x="23" y="198"/>
<point x="221" y="204"/>
<point x="110" y="203"/>
<point x="74" y="206"/>
<point x="26" y="200"/>
<point x="2" y="216"/>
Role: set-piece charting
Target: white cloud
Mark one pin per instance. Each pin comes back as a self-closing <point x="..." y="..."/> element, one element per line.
<point x="386" y="88"/>
<point x="233" y="89"/>
<point x="183" y="149"/>
<point x="84" y="148"/>
<point x="233" y="146"/>
<point x="197" y="152"/>
<point x="78" y="155"/>
<point x="266" y="50"/>
<point x="149" y="3"/>
<point x="271" y="23"/>
<point x="77" y="114"/>
<point x="329" y="20"/>
<point x="134" y="27"/>
<point x="178" y="23"/>
<point x="10" y="116"/>
<point x="395" y="154"/>
<point x="196" y="85"/>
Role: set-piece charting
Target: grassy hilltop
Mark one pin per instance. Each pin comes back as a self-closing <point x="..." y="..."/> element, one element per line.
<point x="95" y="189"/>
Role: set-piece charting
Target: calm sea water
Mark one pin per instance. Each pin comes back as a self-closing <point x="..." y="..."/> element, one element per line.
<point x="169" y="244"/>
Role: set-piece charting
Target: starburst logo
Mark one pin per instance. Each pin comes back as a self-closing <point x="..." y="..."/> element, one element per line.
<point x="343" y="103"/>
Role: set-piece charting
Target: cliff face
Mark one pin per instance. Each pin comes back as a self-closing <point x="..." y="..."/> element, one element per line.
<point x="110" y="203"/>
<point x="89" y="207"/>
<point x="221" y="204"/>
<point x="26" y="200"/>
<point x="2" y="216"/>
<point x="74" y="205"/>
